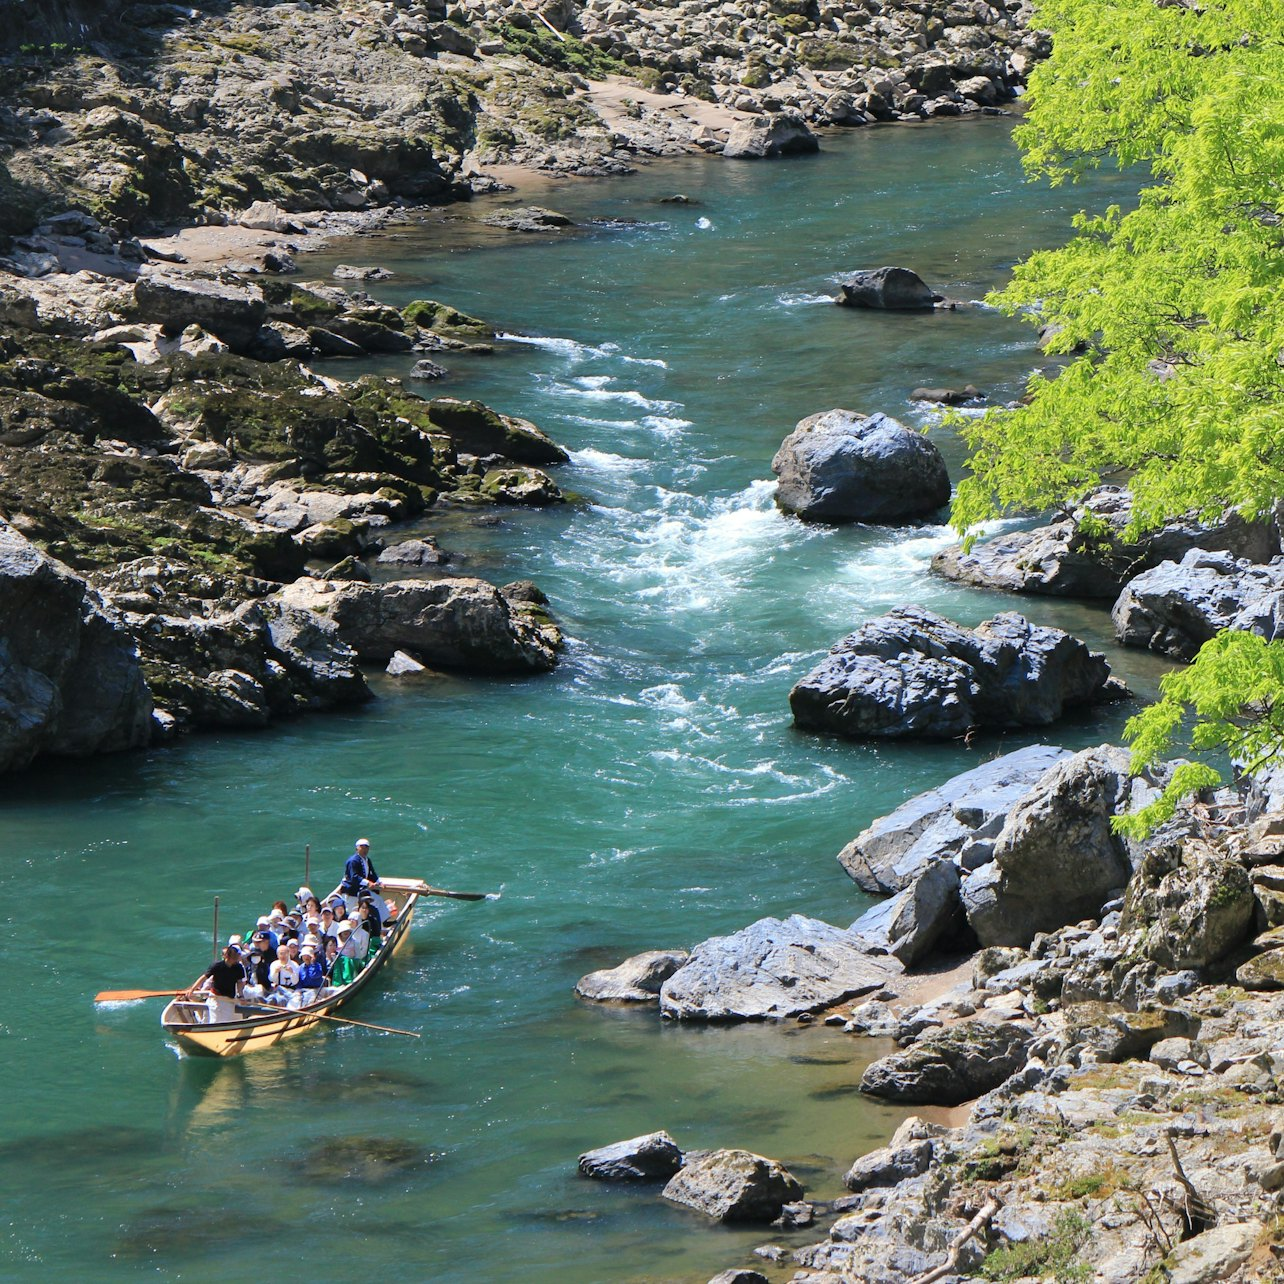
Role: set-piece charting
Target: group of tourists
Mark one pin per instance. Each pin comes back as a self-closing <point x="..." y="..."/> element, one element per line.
<point x="296" y="957"/>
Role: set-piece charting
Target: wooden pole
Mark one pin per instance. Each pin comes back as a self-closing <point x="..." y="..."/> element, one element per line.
<point x="307" y="865"/>
<point x="216" y="929"/>
<point x="365" y="1025"/>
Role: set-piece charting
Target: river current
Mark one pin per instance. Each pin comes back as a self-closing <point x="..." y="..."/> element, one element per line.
<point x="651" y="792"/>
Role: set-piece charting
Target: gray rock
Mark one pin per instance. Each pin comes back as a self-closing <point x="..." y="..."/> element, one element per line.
<point x="1215" y="1254"/>
<point x="428" y="370"/>
<point x="889" y="1166"/>
<point x="1263" y="972"/>
<point x="1061" y="559"/>
<point x="402" y="665"/>
<point x="910" y="924"/>
<point x="478" y="430"/>
<point x="1056" y="860"/>
<point x="71" y="681"/>
<point x="654" y="1157"/>
<point x="234" y="310"/>
<point x="952" y="1065"/>
<point x="530" y="218"/>
<point x="914" y="674"/>
<point x="1189" y="905"/>
<point x="839" y="466"/>
<point x="1178" y="606"/>
<point x="782" y="133"/>
<point x="1116" y="1034"/>
<point x="772" y="969"/>
<point x="948" y="396"/>
<point x="888" y="287"/>
<point x="412" y="552"/>
<point x="733" y="1186"/>
<point x="956" y="821"/>
<point x="454" y="623"/>
<point x="739" y="1275"/>
<point x="347" y="272"/>
<point x="636" y="980"/>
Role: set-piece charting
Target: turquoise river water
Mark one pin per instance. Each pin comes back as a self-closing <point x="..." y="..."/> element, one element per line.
<point x="650" y="792"/>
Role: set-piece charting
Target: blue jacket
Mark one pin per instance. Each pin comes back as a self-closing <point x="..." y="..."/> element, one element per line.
<point x="311" y="976"/>
<point x="355" y="873"/>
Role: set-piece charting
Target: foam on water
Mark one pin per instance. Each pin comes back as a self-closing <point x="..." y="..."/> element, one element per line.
<point x="581" y="351"/>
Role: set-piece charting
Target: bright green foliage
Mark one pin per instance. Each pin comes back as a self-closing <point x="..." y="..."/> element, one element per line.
<point x="1180" y="301"/>
<point x="1235" y="688"/>
<point x="1053" y="1257"/>
<point x="1177" y="309"/>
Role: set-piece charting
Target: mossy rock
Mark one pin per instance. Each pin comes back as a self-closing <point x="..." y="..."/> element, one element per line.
<point x="518" y="485"/>
<point x="476" y="429"/>
<point x="1265" y="972"/>
<point x="432" y="315"/>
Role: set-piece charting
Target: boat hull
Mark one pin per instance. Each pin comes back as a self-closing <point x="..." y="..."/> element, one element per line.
<point x="252" y="1031"/>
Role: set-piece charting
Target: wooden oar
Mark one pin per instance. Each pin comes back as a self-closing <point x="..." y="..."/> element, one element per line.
<point x="365" y="1025"/>
<point x="127" y="996"/>
<point x="418" y="885"/>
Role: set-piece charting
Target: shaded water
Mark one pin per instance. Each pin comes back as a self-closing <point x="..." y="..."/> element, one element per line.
<point x="649" y="793"/>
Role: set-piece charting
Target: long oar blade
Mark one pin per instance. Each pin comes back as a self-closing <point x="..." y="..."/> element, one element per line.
<point x="418" y="885"/>
<point x="127" y="996"/>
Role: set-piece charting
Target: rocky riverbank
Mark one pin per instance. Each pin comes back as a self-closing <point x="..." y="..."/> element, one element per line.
<point x="1114" y="1039"/>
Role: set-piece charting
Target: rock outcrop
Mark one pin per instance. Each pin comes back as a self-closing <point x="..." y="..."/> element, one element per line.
<point x="1056" y="859"/>
<point x="1178" y="606"/>
<point x="839" y="466"/>
<point x="636" y="980"/>
<point x="453" y="623"/>
<point x="733" y="1186"/>
<point x="778" y="134"/>
<point x="770" y="970"/>
<point x="913" y="922"/>
<point x="71" y="682"/>
<point x="952" y="1065"/>
<point x="914" y="674"/>
<point x="654" y="1157"/>
<point x="1084" y="553"/>
<point x="888" y="288"/>
<point x="957" y="821"/>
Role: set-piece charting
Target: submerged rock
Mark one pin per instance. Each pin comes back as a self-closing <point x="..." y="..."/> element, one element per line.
<point x="733" y="1186"/>
<point x="893" y="288"/>
<point x="839" y="466"/>
<point x="654" y="1157"/>
<point x="914" y="674"/>
<point x="772" y="969"/>
<point x="530" y="218"/>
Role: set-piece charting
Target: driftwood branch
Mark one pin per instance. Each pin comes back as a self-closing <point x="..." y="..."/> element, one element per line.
<point x="979" y="1223"/>
<point x="1198" y="1212"/>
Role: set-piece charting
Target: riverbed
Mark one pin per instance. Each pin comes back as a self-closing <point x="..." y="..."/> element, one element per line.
<point x="649" y="793"/>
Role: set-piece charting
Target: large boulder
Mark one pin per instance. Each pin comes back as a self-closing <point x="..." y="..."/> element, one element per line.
<point x="957" y="821"/>
<point x="1189" y="906"/>
<point x="912" y="922"/>
<point x="1056" y="860"/>
<point x="452" y="623"/>
<point x="889" y="1166"/>
<point x="895" y="288"/>
<point x="1178" y="606"/>
<point x="1084" y="553"/>
<point x="772" y="969"/>
<point x="70" y="677"/>
<point x="232" y="309"/>
<point x="912" y="674"/>
<point x="733" y="1186"/>
<point x="839" y="466"/>
<point x="654" y="1157"/>
<point x="636" y="980"/>
<point x="950" y="1066"/>
<point x="783" y="133"/>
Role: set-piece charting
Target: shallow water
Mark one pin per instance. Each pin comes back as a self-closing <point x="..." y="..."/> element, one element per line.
<point x="649" y="793"/>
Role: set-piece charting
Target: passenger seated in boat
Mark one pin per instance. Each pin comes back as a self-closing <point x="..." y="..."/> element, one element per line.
<point x="303" y="896"/>
<point x="311" y="976"/>
<point x="368" y="922"/>
<point x="331" y="953"/>
<point x="259" y="966"/>
<point x="264" y="924"/>
<point x="349" y="963"/>
<point x="327" y="928"/>
<point x="284" y="975"/>
<point x="223" y="982"/>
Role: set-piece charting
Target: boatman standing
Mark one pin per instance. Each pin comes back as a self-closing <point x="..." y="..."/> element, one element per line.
<point x="224" y="983"/>
<point x="358" y="875"/>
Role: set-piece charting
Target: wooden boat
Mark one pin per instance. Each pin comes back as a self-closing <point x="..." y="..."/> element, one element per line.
<point x="254" y="1029"/>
